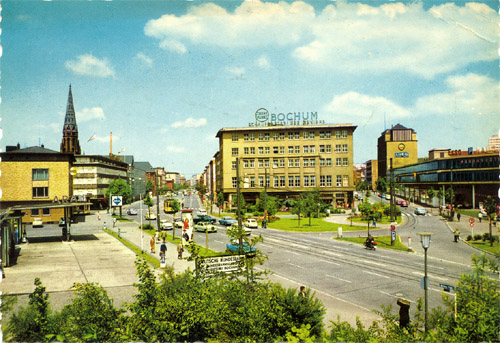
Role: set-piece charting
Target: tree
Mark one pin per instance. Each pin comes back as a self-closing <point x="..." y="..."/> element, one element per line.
<point x="176" y="207"/>
<point x="119" y="187"/>
<point x="381" y="185"/>
<point x="149" y="186"/>
<point x="449" y="195"/>
<point x="311" y="203"/>
<point x="267" y="203"/>
<point x="490" y="207"/>
<point x="149" y="202"/>
<point x="431" y="193"/>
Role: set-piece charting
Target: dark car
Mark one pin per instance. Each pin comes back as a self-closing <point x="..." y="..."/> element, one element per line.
<point x="204" y="218"/>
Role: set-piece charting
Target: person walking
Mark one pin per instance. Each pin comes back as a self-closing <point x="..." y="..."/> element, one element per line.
<point x="180" y="250"/>
<point x="163" y="236"/>
<point x="163" y="249"/>
<point x="457" y="235"/>
<point x="459" y="216"/>
<point x="152" y="243"/>
<point x="480" y="216"/>
<point x="302" y="292"/>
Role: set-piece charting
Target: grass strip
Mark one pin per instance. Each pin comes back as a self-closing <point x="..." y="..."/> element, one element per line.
<point x="317" y="225"/>
<point x="383" y="242"/>
<point x="150" y="259"/>
<point x="485" y="246"/>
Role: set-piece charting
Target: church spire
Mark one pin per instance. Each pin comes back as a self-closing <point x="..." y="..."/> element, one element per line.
<point x="70" y="143"/>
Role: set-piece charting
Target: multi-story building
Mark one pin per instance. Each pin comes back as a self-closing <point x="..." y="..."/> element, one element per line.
<point x="371" y="173"/>
<point x="398" y="144"/>
<point x="286" y="161"/>
<point x="494" y="143"/>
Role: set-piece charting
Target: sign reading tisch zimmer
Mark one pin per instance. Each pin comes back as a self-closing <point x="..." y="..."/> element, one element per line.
<point x="264" y="118"/>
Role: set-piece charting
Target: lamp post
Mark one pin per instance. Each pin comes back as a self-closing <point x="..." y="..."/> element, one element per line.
<point x="425" y="239"/>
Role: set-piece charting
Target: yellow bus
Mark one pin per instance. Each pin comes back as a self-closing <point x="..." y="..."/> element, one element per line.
<point x="167" y="206"/>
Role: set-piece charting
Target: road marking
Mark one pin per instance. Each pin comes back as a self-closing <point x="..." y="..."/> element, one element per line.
<point x="430" y="276"/>
<point x="219" y="242"/>
<point x="395" y="296"/>
<point x="294" y="253"/>
<point x="325" y="261"/>
<point x="384" y="276"/>
<point x="334" y="277"/>
<point x="375" y="263"/>
<point x="295" y="265"/>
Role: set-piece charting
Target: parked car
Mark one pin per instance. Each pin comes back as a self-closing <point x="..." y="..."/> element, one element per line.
<point x="247" y="230"/>
<point x="165" y="225"/>
<point x="178" y="223"/>
<point x="150" y="215"/>
<point x="234" y="247"/>
<point x="251" y="223"/>
<point x="404" y="203"/>
<point x="202" y="211"/>
<point x="205" y="226"/>
<point x="387" y="197"/>
<point x="204" y="218"/>
<point x="37" y="222"/>
<point x="227" y="221"/>
<point x="132" y="212"/>
<point x="420" y="211"/>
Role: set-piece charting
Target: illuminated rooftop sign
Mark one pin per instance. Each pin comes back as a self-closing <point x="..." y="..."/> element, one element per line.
<point x="264" y="118"/>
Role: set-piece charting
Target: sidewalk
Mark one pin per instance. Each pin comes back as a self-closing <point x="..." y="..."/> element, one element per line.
<point x="466" y="229"/>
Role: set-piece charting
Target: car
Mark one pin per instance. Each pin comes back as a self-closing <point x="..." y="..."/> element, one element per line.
<point x="150" y="215"/>
<point x="205" y="226"/>
<point x="37" y="222"/>
<point x="387" y="197"/>
<point x="227" y="221"/>
<point x="251" y="223"/>
<point x="420" y="211"/>
<point x="247" y="230"/>
<point x="165" y="225"/>
<point x="202" y="211"/>
<point x="204" y="218"/>
<point x="132" y="212"/>
<point x="178" y="223"/>
<point x="234" y="247"/>
<point x="404" y="203"/>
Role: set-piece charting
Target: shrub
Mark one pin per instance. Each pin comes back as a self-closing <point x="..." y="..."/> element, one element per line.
<point x="469" y="238"/>
<point x="147" y="227"/>
<point x="478" y="237"/>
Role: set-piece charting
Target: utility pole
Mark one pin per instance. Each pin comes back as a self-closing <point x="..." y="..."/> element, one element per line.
<point x="392" y="191"/>
<point x="238" y="205"/>
<point x="265" y="197"/>
<point x="157" y="201"/>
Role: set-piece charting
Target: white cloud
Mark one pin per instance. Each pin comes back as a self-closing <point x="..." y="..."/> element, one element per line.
<point x="90" y="66"/>
<point x="173" y="45"/>
<point x="88" y="114"/>
<point x="354" y="107"/>
<point x="171" y="148"/>
<point x="350" y="37"/>
<point x="236" y="71"/>
<point x="190" y="123"/>
<point x="146" y="60"/>
<point x="263" y="62"/>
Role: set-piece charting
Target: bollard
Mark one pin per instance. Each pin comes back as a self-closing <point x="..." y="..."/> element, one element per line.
<point x="118" y="232"/>
<point x="409" y="244"/>
<point x="339" y="232"/>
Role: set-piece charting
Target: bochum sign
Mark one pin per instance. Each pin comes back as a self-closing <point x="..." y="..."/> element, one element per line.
<point x="264" y="118"/>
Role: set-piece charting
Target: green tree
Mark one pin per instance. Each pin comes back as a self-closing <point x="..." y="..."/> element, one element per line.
<point x="176" y="207"/>
<point x="267" y="203"/>
<point x="431" y="193"/>
<point x="490" y="206"/>
<point x="298" y="209"/>
<point x="381" y="185"/>
<point x="149" y="186"/>
<point x="311" y="202"/>
<point x="119" y="187"/>
<point x="149" y="202"/>
<point x="449" y="195"/>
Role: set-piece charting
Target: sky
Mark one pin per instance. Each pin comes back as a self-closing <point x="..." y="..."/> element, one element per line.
<point x="165" y="76"/>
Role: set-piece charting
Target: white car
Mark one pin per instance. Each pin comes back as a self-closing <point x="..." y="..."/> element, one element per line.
<point x="247" y="230"/>
<point x="150" y="215"/>
<point x="37" y="222"/>
<point x="166" y="225"/>
<point x="251" y="223"/>
<point x="420" y="211"/>
<point x="202" y="211"/>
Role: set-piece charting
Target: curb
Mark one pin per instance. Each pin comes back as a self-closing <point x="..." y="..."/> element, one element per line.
<point x="472" y="246"/>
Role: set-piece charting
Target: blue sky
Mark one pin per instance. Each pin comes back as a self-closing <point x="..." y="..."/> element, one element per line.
<point x="165" y="76"/>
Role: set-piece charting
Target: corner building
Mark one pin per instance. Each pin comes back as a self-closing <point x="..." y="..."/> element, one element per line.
<point x="286" y="161"/>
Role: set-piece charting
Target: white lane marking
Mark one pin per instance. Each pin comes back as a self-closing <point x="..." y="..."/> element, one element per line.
<point x="334" y="277"/>
<point x="430" y="276"/>
<point x="325" y="261"/>
<point x="395" y="296"/>
<point x="376" y="263"/>
<point x="384" y="276"/>
<point x="293" y="252"/>
<point x="295" y="265"/>
<point x="219" y="242"/>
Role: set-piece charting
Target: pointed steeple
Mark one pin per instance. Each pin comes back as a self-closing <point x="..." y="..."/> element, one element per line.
<point x="70" y="143"/>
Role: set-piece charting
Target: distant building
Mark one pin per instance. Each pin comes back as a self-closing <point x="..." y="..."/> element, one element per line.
<point x="70" y="142"/>
<point x="399" y="144"/>
<point x="372" y="173"/>
<point x="359" y="173"/>
<point x="494" y="143"/>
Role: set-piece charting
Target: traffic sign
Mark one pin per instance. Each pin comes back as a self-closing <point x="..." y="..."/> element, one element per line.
<point x="471" y="224"/>
<point x="471" y="220"/>
<point x="116" y="200"/>
<point x="422" y="283"/>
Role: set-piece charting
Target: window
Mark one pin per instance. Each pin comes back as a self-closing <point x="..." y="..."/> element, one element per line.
<point x="276" y="181"/>
<point x="268" y="150"/>
<point x="306" y="149"/>
<point x="328" y="181"/>
<point x="275" y="136"/>
<point x="297" y="181"/>
<point x="275" y="163"/>
<point x="339" y="180"/>
<point x="252" y="163"/>
<point x="261" y="181"/>
<point x="235" y="137"/>
<point x="297" y="149"/>
<point x="345" y="181"/>
<point x="282" y="181"/>
<point x="328" y="148"/>
<point x="40" y="192"/>
<point x="282" y="163"/>
<point x="40" y="174"/>
<point x="261" y="150"/>
<point x="282" y="136"/>
<point x="345" y="161"/>
<point x="246" y="151"/>
<point x="321" y="162"/>
<point x="322" y="180"/>
<point x="245" y="163"/>
<point x="311" y="135"/>
<point x="35" y="212"/>
<point x="328" y="134"/>
<point x="261" y="163"/>
<point x="290" y="181"/>
<point x="275" y="149"/>
<point x="306" y="135"/>
<point x="306" y="181"/>
<point x="313" y="181"/>
<point x="290" y="149"/>
<point x="297" y="162"/>
<point x="234" y="151"/>
<point x="306" y="162"/>
<point x="325" y="134"/>
<point x="321" y="148"/>
<point x="282" y="150"/>
<point x="338" y="162"/>
<point x="252" y="181"/>
<point x="245" y="137"/>
<point x="290" y="162"/>
<point x="344" y="133"/>
<point x="268" y="181"/>
<point x="312" y="148"/>
<point x="252" y="151"/>
<point x="337" y="134"/>
<point x="344" y="148"/>
<point x="312" y="162"/>
<point x="233" y="164"/>
<point x="261" y="136"/>
<point x="266" y="136"/>
<point x="297" y="135"/>
<point x="290" y="135"/>
<point x="235" y="182"/>
<point x="46" y="211"/>
<point x="338" y="148"/>
<point x="328" y="162"/>
<point x="266" y="163"/>
<point x="252" y="137"/>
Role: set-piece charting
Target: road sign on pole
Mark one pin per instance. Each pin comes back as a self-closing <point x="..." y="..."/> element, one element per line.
<point x="116" y="200"/>
<point x="471" y="220"/>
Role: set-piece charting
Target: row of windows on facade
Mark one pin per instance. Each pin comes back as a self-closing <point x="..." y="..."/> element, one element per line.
<point x="306" y="149"/>
<point x="266" y="136"/>
<point x="292" y="163"/>
<point x="293" y="181"/>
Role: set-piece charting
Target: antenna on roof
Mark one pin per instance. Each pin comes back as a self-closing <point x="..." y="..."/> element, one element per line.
<point x="385" y="124"/>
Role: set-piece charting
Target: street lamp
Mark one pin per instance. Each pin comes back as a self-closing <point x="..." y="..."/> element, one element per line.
<point x="425" y="239"/>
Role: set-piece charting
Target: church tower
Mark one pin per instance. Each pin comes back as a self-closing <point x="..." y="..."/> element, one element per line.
<point x="70" y="143"/>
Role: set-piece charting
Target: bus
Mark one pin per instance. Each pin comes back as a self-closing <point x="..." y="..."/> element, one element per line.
<point x="167" y="206"/>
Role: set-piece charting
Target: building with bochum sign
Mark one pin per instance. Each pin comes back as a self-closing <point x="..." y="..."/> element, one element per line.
<point x="286" y="160"/>
<point x="399" y="144"/>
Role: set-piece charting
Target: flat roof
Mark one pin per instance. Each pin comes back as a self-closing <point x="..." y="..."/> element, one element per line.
<point x="284" y="128"/>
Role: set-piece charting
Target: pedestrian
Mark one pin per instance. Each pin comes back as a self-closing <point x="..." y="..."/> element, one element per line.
<point x="185" y="236"/>
<point x="163" y="236"/>
<point x="163" y="248"/>
<point x="152" y="243"/>
<point x="374" y="223"/>
<point x="458" y="216"/>
<point x="480" y="216"/>
<point x="457" y="235"/>
<point x="180" y="250"/>
<point x="302" y="292"/>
